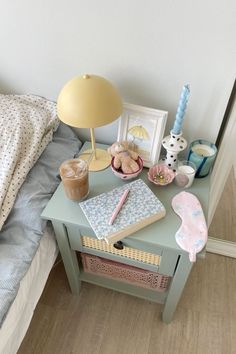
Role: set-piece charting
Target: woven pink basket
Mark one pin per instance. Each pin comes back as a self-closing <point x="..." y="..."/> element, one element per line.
<point x="123" y="272"/>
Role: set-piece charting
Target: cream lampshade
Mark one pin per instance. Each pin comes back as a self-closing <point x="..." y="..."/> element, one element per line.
<point x="90" y="101"/>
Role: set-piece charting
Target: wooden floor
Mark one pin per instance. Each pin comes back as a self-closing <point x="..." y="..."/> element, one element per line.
<point x="101" y="321"/>
<point x="224" y="222"/>
<point x="107" y="322"/>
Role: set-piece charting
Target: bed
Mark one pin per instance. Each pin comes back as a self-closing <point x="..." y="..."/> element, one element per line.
<point x="27" y="244"/>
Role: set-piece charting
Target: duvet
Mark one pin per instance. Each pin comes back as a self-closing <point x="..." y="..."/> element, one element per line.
<point x="27" y="123"/>
<point x="21" y="233"/>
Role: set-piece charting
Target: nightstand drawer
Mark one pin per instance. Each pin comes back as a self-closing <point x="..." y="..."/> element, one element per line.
<point x="134" y="252"/>
<point x="75" y="234"/>
<point x="126" y="252"/>
<point x="131" y="252"/>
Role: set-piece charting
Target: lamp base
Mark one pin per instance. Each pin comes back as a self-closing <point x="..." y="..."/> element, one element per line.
<point x="102" y="161"/>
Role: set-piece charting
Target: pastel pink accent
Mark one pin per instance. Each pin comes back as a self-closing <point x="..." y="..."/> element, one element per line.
<point x="119" y="206"/>
<point x="192" y="234"/>
<point x="156" y="171"/>
<point x="127" y="176"/>
<point x="124" y="272"/>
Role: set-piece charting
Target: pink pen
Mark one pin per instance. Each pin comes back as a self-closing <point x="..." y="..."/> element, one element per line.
<point x="119" y="206"/>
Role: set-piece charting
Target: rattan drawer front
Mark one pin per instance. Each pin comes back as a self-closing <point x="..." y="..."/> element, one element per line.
<point x="127" y="252"/>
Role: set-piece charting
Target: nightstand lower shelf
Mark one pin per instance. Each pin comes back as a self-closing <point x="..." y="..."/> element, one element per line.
<point x="126" y="288"/>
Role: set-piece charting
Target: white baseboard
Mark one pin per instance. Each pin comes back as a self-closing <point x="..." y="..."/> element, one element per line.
<point x="224" y="248"/>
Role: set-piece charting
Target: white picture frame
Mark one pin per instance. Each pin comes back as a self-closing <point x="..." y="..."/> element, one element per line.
<point x="144" y="128"/>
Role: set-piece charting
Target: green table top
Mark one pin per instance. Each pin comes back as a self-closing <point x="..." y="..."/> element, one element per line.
<point x="161" y="233"/>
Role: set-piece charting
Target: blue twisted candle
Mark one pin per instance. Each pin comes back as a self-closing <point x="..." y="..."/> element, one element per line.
<point x="181" y="110"/>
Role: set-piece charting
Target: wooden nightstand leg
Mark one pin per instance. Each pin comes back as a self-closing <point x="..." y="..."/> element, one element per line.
<point x="68" y="257"/>
<point x="176" y="287"/>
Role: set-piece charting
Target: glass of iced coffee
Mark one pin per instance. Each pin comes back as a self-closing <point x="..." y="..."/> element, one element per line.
<point x="74" y="175"/>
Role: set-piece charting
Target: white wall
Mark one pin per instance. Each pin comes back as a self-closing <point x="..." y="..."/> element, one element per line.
<point x="148" y="49"/>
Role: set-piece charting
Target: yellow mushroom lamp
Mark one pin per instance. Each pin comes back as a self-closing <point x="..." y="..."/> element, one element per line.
<point x="90" y="101"/>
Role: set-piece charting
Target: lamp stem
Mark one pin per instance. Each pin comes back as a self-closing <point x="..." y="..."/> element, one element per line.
<point x="93" y="142"/>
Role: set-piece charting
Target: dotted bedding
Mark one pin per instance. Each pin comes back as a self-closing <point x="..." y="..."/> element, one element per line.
<point x="27" y="123"/>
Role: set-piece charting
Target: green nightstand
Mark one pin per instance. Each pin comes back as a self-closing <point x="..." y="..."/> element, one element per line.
<point x="72" y="230"/>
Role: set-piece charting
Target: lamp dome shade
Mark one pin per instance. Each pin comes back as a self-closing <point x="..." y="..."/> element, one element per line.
<point x="88" y="101"/>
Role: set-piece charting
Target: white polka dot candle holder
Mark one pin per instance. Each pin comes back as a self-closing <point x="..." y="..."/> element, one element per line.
<point x="173" y="143"/>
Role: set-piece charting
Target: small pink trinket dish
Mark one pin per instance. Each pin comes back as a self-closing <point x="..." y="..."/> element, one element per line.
<point x="126" y="176"/>
<point x="160" y="175"/>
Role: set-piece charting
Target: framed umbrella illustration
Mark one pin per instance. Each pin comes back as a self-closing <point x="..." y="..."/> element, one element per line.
<point x="144" y="128"/>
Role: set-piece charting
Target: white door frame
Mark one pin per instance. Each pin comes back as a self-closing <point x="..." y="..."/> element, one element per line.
<point x="223" y="164"/>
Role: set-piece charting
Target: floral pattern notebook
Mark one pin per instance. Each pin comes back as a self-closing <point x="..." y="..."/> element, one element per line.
<point x="141" y="208"/>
